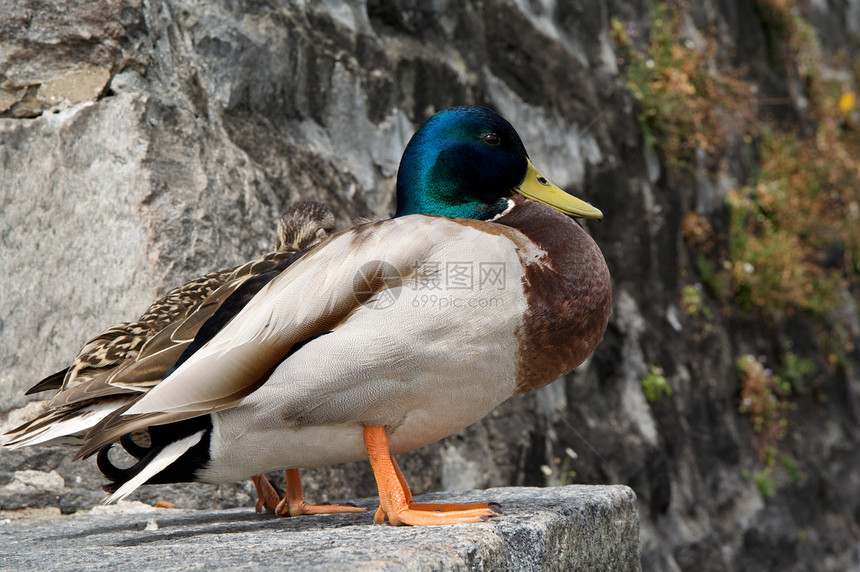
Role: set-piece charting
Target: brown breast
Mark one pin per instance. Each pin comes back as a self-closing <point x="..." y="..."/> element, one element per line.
<point x="569" y="295"/>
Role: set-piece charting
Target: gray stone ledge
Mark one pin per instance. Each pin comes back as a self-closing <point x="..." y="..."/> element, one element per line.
<point x="562" y="528"/>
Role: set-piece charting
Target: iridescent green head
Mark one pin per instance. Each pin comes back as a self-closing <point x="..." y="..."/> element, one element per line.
<point x="466" y="162"/>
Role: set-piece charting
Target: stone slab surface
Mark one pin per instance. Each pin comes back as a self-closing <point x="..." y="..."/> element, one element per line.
<point x="560" y="528"/>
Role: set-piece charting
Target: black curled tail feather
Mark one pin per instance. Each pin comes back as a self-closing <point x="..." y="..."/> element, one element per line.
<point x="120" y="476"/>
<point x="132" y="448"/>
<point x="184" y="469"/>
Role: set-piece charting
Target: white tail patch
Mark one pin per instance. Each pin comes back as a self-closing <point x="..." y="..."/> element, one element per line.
<point x="167" y="455"/>
<point x="64" y="431"/>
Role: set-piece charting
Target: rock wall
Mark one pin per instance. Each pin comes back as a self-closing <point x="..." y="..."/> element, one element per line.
<point x="145" y="142"/>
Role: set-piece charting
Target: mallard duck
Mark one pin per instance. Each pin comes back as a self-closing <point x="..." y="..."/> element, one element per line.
<point x="388" y="336"/>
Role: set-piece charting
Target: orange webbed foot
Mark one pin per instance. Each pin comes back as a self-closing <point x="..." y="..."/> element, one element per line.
<point x="395" y="498"/>
<point x="448" y="507"/>
<point x="293" y="503"/>
<point x="285" y="508"/>
<point x="473" y="512"/>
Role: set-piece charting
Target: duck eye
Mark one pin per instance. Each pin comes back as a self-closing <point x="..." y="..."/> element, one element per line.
<point x="492" y="139"/>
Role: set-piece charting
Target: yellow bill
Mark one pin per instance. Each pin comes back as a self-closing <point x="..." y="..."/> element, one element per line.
<point x="537" y="187"/>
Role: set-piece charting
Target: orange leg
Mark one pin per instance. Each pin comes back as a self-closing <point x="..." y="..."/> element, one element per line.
<point x="395" y="498"/>
<point x="267" y="496"/>
<point x="293" y="503"/>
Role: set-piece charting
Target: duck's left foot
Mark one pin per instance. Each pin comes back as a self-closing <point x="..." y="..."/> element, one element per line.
<point x="286" y="508"/>
<point x="293" y="503"/>
<point x="267" y="496"/>
<point x="395" y="498"/>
